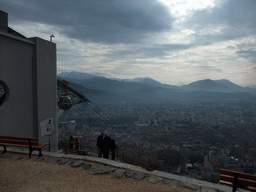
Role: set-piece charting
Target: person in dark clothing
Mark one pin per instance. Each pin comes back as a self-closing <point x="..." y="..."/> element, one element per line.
<point x="106" y="146"/>
<point x="100" y="144"/>
<point x="113" y="148"/>
<point x="71" y="142"/>
<point x="77" y="144"/>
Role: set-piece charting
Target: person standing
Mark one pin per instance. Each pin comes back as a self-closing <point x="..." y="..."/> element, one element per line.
<point x="100" y="144"/>
<point x="113" y="148"/>
<point x="106" y="146"/>
<point x="71" y="142"/>
<point x="77" y="144"/>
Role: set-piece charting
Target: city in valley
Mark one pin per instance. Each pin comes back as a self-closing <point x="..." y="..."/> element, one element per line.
<point x="195" y="139"/>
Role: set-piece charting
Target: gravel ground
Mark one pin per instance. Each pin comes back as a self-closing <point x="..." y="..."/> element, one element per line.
<point x="29" y="176"/>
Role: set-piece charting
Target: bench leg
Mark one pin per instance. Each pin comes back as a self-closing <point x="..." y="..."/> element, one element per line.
<point x="30" y="147"/>
<point x="30" y="152"/>
<point x="40" y="153"/>
<point x="4" y="151"/>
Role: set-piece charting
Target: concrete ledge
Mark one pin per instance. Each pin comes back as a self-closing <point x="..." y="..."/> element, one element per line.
<point x="166" y="175"/>
<point x="139" y="169"/>
<point x="202" y="185"/>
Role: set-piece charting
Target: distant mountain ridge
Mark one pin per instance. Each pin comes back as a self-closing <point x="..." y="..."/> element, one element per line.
<point x="77" y="75"/>
<point x="222" y="85"/>
<point x="149" y="90"/>
<point x="147" y="80"/>
<point x="151" y="82"/>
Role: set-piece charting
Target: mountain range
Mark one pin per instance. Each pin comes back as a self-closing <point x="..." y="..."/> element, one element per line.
<point x="101" y="89"/>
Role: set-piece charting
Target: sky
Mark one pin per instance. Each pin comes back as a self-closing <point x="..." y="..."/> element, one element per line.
<point x="172" y="41"/>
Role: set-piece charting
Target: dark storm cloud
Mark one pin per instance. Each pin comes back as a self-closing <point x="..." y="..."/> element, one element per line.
<point x="235" y="17"/>
<point x="108" y="21"/>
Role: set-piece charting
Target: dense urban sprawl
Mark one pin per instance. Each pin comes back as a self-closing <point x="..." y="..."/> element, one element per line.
<point x="193" y="138"/>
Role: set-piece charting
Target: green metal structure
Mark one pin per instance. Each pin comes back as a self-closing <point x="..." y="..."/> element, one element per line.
<point x="76" y="96"/>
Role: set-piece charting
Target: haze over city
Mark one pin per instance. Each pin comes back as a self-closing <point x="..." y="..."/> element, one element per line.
<point x="173" y="42"/>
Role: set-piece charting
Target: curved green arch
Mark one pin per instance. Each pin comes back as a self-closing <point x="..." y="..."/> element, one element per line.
<point x="76" y="96"/>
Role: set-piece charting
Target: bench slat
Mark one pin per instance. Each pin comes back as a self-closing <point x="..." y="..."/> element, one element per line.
<point x="241" y="175"/>
<point x="20" y="145"/>
<point x="241" y="182"/>
<point x="18" y="142"/>
<point x="17" y="138"/>
<point x="247" y="176"/>
<point x="250" y="188"/>
<point x="244" y="181"/>
<point x="226" y="178"/>
<point x="42" y="144"/>
<point x="226" y="183"/>
<point x="14" y="145"/>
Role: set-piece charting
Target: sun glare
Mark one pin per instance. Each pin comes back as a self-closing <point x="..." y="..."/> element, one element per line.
<point x="181" y="8"/>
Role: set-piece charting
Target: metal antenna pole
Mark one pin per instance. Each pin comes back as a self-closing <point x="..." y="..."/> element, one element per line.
<point x="51" y="37"/>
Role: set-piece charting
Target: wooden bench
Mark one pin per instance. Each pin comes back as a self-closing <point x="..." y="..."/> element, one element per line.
<point x="28" y="142"/>
<point x="238" y="180"/>
<point x="75" y="151"/>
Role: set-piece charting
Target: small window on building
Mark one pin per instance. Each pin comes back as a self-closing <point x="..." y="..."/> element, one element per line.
<point x="3" y="92"/>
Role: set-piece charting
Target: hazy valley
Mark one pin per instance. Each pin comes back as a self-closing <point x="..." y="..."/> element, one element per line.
<point x="208" y="122"/>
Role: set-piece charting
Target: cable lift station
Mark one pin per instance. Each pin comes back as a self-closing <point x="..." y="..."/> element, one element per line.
<point x="29" y="90"/>
<point x="32" y="100"/>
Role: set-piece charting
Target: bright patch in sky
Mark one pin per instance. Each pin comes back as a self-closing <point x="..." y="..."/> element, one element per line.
<point x="183" y="8"/>
<point x="171" y="41"/>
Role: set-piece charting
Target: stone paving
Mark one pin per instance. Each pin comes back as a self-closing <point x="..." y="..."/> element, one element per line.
<point x="104" y="166"/>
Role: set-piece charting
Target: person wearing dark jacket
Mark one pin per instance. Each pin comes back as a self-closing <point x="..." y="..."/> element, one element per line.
<point x="71" y="142"/>
<point x="113" y="148"/>
<point x="100" y="144"/>
<point x="106" y="146"/>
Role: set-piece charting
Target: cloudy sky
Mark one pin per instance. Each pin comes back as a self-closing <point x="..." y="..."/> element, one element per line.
<point x="171" y="41"/>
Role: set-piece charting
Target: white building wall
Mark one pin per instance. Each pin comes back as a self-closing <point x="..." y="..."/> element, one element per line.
<point x="28" y="68"/>
<point x="46" y="76"/>
<point x="16" y="113"/>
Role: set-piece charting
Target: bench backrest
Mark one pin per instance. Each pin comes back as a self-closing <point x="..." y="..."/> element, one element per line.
<point x="238" y="179"/>
<point x="18" y="140"/>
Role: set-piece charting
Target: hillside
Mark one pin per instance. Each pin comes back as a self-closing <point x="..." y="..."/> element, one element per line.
<point x="102" y="89"/>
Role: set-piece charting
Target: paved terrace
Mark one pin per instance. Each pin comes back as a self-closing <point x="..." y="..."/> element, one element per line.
<point x="96" y="165"/>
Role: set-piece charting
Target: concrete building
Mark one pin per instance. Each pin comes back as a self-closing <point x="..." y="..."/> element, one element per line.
<point x="28" y="99"/>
